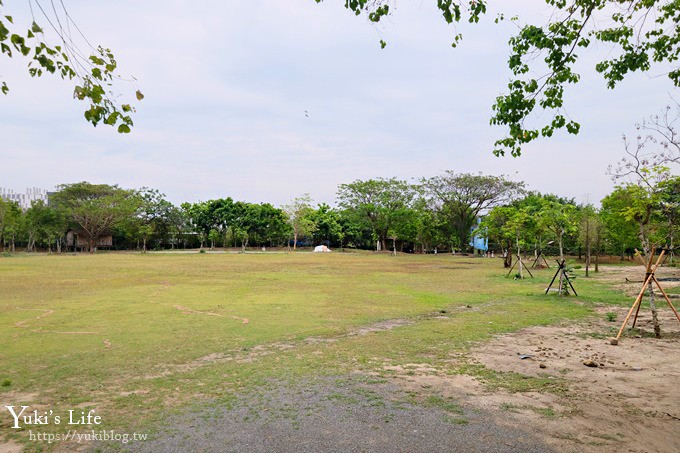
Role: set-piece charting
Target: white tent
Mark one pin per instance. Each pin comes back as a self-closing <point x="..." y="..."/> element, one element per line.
<point x="321" y="248"/>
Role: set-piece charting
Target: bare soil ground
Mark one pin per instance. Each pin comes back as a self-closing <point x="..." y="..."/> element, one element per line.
<point x="629" y="402"/>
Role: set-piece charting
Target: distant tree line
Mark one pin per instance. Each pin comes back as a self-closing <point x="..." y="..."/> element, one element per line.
<point x="438" y="213"/>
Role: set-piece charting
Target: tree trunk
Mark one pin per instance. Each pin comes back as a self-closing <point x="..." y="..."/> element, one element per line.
<point x="508" y="256"/>
<point x="655" y="315"/>
<point x="597" y="248"/>
<point x="519" y="257"/>
<point x="587" y="247"/>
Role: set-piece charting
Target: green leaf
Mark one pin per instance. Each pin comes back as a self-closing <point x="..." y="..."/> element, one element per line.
<point x="111" y="120"/>
<point x="382" y="44"/>
<point x="139" y="95"/>
<point x="96" y="60"/>
<point x="4" y="88"/>
<point x="35" y="28"/>
<point x="124" y="129"/>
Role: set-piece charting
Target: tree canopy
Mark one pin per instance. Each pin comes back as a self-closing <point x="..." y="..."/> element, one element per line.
<point x="94" y="209"/>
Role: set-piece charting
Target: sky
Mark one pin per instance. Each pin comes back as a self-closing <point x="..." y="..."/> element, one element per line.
<point x="266" y="100"/>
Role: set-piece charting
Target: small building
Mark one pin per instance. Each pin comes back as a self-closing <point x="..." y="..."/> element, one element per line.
<point x="77" y="240"/>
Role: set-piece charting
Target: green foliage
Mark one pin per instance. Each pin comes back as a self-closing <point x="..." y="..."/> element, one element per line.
<point x="95" y="74"/>
<point x="300" y="217"/>
<point x="558" y="217"/>
<point x="646" y="205"/>
<point x="460" y="198"/>
<point x="381" y="203"/>
<point x="45" y="224"/>
<point x="11" y="222"/>
<point x="328" y="227"/>
<point x="237" y="223"/>
<point x="95" y="209"/>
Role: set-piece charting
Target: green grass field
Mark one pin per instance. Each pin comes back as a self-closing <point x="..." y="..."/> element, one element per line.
<point x="140" y="336"/>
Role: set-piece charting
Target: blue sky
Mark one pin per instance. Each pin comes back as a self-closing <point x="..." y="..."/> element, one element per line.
<point x="227" y="85"/>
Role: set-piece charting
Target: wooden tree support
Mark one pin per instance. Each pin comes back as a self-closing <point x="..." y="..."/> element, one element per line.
<point x="540" y="257"/>
<point x="561" y="269"/>
<point x="521" y="266"/>
<point x="649" y="279"/>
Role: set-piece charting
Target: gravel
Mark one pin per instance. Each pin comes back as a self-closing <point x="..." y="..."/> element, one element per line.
<point x="341" y="414"/>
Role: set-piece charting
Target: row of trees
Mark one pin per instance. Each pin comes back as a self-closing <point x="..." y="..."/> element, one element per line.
<point x="435" y="213"/>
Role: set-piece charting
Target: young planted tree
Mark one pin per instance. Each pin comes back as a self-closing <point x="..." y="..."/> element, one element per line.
<point x="559" y="217"/>
<point x="645" y="179"/>
<point x="590" y="228"/>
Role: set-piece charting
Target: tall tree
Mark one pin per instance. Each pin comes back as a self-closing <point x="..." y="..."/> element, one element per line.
<point x="48" y="225"/>
<point x="300" y="217"/>
<point x="10" y="221"/>
<point x="462" y="197"/>
<point x="95" y="208"/>
<point x="381" y="202"/>
<point x="328" y="228"/>
<point x="620" y="232"/>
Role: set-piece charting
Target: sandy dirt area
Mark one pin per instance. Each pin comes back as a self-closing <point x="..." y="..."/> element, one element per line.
<point x="627" y="401"/>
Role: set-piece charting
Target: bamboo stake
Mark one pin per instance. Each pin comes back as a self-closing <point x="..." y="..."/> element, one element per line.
<point x="648" y="279"/>
<point x="667" y="298"/>
<point x="637" y="301"/>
